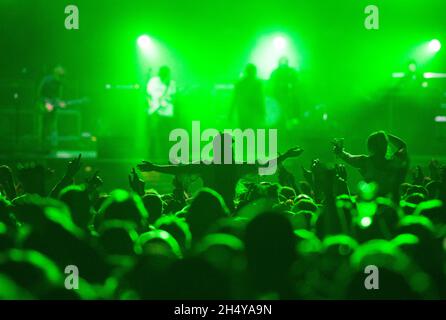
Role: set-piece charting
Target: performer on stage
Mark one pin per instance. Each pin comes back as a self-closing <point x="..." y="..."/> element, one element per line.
<point x="161" y="90"/>
<point x="249" y="100"/>
<point x="413" y="78"/>
<point x="50" y="94"/>
<point x="283" y="86"/>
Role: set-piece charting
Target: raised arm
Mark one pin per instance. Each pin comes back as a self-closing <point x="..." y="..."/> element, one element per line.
<point x="146" y="166"/>
<point x="357" y="161"/>
<point x="291" y="153"/>
<point x="270" y="166"/>
<point x="397" y="142"/>
<point x="72" y="169"/>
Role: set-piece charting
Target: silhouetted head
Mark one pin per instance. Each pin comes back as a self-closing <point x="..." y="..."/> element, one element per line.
<point x="284" y="61"/>
<point x="377" y="144"/>
<point x="116" y="237"/>
<point x="154" y="206"/>
<point x="164" y="74"/>
<point x="305" y="204"/>
<point x="250" y="71"/>
<point x="396" y="273"/>
<point x="270" y="249"/>
<point x="158" y="242"/>
<point x="59" y="71"/>
<point x="207" y="207"/>
<point x="224" y="251"/>
<point x="77" y="199"/>
<point x="287" y="193"/>
<point x="29" y="272"/>
<point x="124" y="206"/>
<point x="178" y="228"/>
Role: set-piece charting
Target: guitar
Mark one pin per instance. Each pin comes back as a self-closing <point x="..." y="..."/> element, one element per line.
<point x="160" y="96"/>
<point x="50" y="105"/>
<point x="161" y="104"/>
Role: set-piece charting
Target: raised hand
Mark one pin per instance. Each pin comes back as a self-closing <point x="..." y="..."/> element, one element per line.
<point x="73" y="167"/>
<point x="137" y="185"/>
<point x="286" y="178"/>
<point x="316" y="166"/>
<point x="146" y="166"/>
<point x="340" y="184"/>
<point x="323" y="178"/>
<point x="94" y="181"/>
<point x="294" y="152"/>
<point x="308" y="176"/>
<point x="341" y="172"/>
<point x="338" y="146"/>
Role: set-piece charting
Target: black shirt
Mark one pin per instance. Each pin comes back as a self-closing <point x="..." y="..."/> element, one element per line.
<point x="50" y="88"/>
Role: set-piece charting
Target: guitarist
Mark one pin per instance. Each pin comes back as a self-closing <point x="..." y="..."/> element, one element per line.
<point x="50" y="93"/>
<point x="161" y="90"/>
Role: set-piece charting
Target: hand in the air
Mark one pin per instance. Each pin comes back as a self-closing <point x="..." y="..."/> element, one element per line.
<point x="146" y="166"/>
<point x="338" y="146"/>
<point x="95" y="181"/>
<point x="294" y="152"/>
<point x="341" y="171"/>
<point x="137" y="185"/>
<point x="73" y="167"/>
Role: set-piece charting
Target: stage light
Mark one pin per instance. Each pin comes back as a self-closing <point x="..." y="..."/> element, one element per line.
<point x="280" y="43"/>
<point x="434" y="75"/>
<point x="270" y="48"/>
<point x="434" y="45"/>
<point x="425" y="51"/>
<point x="366" y="222"/>
<point x="144" y="41"/>
<point x="440" y="119"/>
<point x="148" y="52"/>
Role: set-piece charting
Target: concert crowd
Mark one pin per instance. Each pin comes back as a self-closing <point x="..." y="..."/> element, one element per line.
<point x="309" y="235"/>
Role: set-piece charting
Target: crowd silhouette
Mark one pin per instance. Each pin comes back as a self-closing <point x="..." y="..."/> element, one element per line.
<point x="308" y="237"/>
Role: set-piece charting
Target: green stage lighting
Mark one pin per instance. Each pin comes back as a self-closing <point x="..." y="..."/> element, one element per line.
<point x="280" y="43"/>
<point x="269" y="49"/>
<point x="434" y="46"/>
<point x="144" y="42"/>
